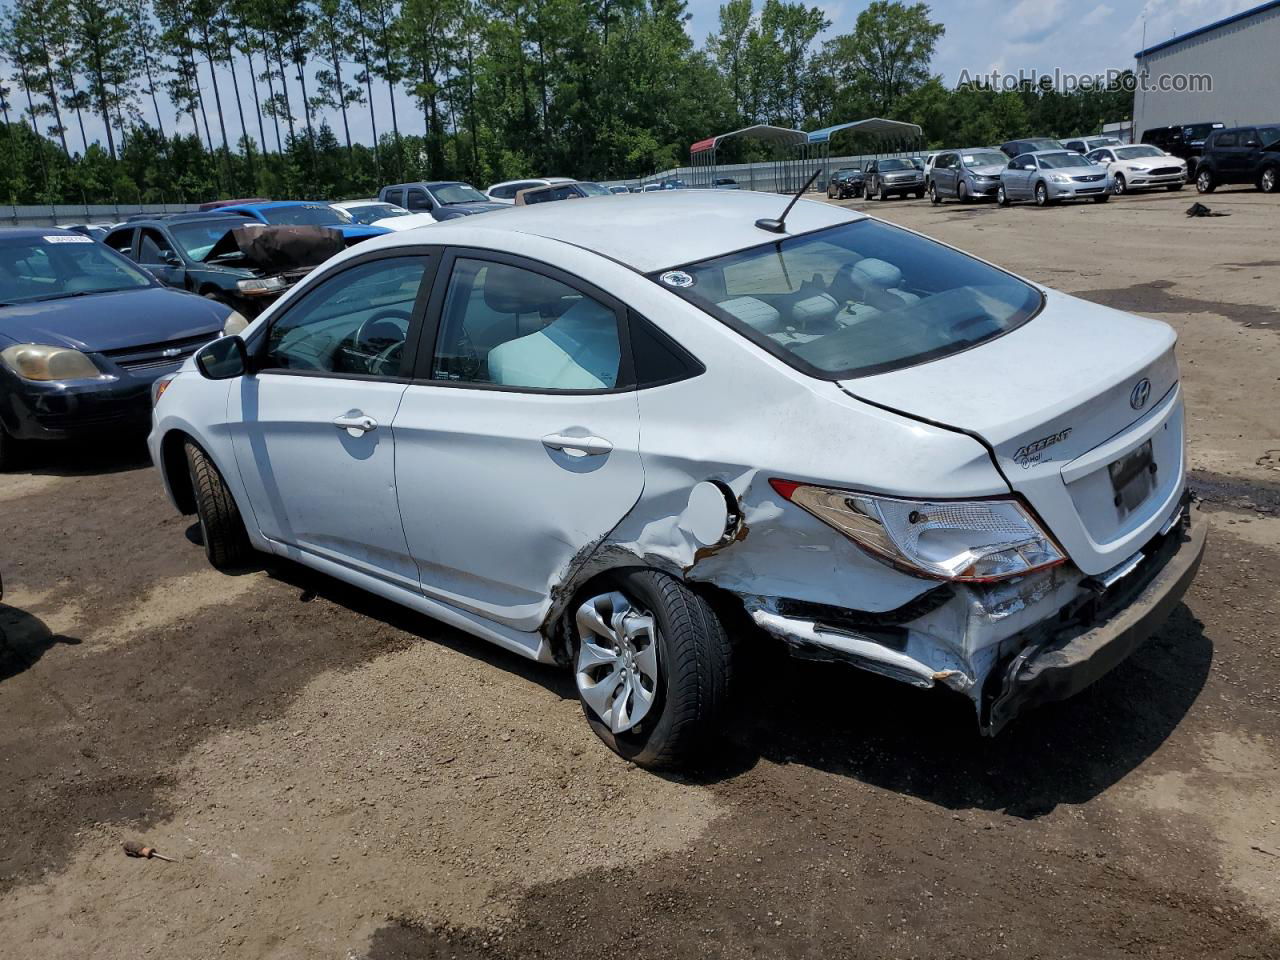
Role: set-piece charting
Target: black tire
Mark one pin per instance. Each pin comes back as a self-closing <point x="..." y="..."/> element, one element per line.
<point x="1119" y="186"/>
<point x="1042" y="195"/>
<point x="919" y="194"/>
<point x="695" y="669"/>
<point x="1269" y="180"/>
<point x="1204" y="180"/>
<point x="884" y="194"/>
<point x="226" y="543"/>
<point x="934" y="197"/>
<point x="1101" y="198"/>
<point x="962" y="192"/>
<point x="1174" y="186"/>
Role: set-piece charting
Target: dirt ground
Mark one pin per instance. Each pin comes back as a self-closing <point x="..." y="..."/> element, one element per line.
<point x="339" y="778"/>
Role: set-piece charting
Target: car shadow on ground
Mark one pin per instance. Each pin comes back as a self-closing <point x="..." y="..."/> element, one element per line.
<point x="100" y="455"/>
<point x="24" y="639"/>
<point x="925" y="743"/>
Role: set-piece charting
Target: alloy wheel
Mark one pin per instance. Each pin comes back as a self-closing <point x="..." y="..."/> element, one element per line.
<point x="1204" y="182"/>
<point x="617" y="666"/>
<point x="1042" y="195"/>
<point x="1269" y="180"/>
<point x="1119" y="186"/>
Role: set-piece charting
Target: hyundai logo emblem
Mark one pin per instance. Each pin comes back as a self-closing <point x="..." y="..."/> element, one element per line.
<point x="1141" y="393"/>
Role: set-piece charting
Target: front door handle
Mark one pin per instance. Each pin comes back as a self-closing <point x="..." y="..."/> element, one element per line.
<point x="579" y="446"/>
<point x="356" y="424"/>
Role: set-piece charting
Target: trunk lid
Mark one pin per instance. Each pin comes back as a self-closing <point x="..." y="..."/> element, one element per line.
<point x="1082" y="409"/>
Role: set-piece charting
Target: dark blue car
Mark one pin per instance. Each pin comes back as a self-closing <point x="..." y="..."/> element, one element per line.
<point x="83" y="335"/>
<point x="306" y="213"/>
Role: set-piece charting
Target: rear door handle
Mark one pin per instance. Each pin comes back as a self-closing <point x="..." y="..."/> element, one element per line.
<point x="581" y="446"/>
<point x="356" y="424"/>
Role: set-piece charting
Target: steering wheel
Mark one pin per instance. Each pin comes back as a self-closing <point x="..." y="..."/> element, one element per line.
<point x="383" y="325"/>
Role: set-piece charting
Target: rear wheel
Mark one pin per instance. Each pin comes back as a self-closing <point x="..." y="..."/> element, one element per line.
<point x="934" y="196"/>
<point x="652" y="666"/>
<point x="226" y="543"/>
<point x="1269" y="182"/>
<point x="1204" y="181"/>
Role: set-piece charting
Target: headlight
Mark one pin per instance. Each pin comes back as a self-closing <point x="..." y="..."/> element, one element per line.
<point x="261" y="286"/>
<point x="36" y="361"/>
<point x="1059" y="178"/>
<point x="235" y="323"/>
<point x="961" y="540"/>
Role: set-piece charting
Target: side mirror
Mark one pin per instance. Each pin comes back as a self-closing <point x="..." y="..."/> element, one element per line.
<point x="171" y="259"/>
<point x="223" y="359"/>
<point x="1029" y="166"/>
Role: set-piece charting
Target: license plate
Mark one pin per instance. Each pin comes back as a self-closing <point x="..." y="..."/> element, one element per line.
<point x="1133" y="478"/>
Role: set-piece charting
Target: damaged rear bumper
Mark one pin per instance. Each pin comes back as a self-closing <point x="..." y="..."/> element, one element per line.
<point x="1011" y="646"/>
<point x="1062" y="665"/>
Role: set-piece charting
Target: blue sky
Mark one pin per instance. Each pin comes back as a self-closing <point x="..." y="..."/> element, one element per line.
<point x="1077" y="36"/>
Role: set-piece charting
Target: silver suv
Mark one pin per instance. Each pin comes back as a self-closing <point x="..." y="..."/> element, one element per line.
<point x="896" y="175"/>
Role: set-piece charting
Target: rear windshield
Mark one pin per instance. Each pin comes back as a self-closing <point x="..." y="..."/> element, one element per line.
<point x="857" y="299"/>
<point x="62" y="265"/>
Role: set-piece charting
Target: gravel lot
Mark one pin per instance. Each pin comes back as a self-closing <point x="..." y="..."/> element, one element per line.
<point x="339" y="778"/>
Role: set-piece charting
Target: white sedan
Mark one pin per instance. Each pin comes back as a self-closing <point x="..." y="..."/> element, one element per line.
<point x="603" y="437"/>
<point x="380" y="214"/>
<point x="1141" y="167"/>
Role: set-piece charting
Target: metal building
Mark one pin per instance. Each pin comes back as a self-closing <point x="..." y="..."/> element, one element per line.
<point x="1238" y="53"/>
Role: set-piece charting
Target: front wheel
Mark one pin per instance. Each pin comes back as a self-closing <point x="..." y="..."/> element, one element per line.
<point x="226" y="543"/>
<point x="1269" y="182"/>
<point x="1002" y="198"/>
<point x="1204" y="182"/>
<point x="962" y="192"/>
<point x="1042" y="195"/>
<point x="1119" y="187"/>
<point x="652" y="666"/>
<point x="1101" y="198"/>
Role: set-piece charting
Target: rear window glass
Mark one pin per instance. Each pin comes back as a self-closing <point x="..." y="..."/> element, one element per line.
<point x="857" y="299"/>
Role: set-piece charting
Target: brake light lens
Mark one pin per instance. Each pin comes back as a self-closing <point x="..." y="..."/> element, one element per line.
<point x="976" y="541"/>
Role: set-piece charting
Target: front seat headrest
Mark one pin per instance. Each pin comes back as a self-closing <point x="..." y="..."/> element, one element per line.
<point x="512" y="290"/>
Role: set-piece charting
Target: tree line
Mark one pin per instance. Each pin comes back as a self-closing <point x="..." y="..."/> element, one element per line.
<point x="268" y="91"/>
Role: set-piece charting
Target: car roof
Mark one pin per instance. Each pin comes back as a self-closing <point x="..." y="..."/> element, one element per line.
<point x="429" y="184"/>
<point x="1052" y="153"/>
<point x="639" y="233"/>
<point x="172" y="218"/>
<point x="31" y="233"/>
<point x="274" y="205"/>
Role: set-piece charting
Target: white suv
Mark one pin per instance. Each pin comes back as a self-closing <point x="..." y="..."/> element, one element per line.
<point x="580" y="431"/>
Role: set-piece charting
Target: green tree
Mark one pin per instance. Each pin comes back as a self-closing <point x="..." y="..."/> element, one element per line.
<point x="887" y="55"/>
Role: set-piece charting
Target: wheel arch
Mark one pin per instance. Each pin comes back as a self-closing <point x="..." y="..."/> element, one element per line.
<point x="173" y="464"/>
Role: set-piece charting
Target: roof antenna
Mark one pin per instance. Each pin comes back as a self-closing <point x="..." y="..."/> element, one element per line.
<point x="779" y="225"/>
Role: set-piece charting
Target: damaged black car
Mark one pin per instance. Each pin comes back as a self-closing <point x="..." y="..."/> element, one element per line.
<point x="243" y="265"/>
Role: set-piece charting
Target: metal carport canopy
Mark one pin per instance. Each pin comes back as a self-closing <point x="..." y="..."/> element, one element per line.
<point x="760" y="131"/>
<point x="873" y="125"/>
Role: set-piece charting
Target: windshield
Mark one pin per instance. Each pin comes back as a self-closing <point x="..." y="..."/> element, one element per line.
<point x="1198" y="131"/>
<point x="458" y="193"/>
<point x="304" y="215"/>
<point x="1134" y="153"/>
<point x="369" y="212"/>
<point x="1268" y="136"/>
<point x="856" y="299"/>
<point x="61" y="265"/>
<point x="592" y="189"/>
<point x="987" y="158"/>
<point x="896" y="165"/>
<point x="1058" y="161"/>
<point x="197" y="239"/>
